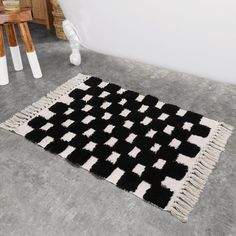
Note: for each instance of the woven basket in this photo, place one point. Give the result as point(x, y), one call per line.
point(58, 19)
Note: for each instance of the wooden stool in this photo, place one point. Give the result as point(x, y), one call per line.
point(9, 19)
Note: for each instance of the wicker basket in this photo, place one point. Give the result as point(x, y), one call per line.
point(58, 19)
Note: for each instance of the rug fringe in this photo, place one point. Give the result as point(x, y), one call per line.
point(31, 111)
point(194, 185)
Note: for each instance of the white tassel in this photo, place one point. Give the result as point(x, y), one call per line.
point(193, 186)
point(31, 111)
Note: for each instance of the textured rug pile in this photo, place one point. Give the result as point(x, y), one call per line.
point(157, 151)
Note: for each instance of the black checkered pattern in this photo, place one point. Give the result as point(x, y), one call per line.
point(131, 140)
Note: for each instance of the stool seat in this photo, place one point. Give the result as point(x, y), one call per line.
point(8, 19)
point(23, 15)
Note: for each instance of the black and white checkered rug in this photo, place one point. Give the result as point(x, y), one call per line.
point(157, 151)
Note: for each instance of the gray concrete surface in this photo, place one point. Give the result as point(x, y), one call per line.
point(42, 195)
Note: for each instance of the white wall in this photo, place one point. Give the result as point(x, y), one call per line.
point(194, 36)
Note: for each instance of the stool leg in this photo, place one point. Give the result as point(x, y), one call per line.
point(4, 79)
point(14, 47)
point(30, 51)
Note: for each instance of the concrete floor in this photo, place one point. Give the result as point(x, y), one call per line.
point(40, 194)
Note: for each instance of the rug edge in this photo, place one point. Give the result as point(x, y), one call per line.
point(190, 193)
point(31, 111)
